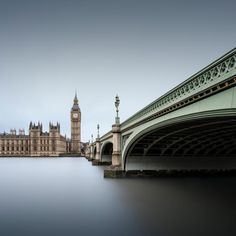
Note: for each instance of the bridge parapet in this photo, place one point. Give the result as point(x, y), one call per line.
point(106, 136)
point(217, 72)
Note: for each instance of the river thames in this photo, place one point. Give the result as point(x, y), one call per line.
point(68, 196)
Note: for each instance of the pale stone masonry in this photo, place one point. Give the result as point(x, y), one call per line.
point(75, 127)
point(37, 143)
point(40, 143)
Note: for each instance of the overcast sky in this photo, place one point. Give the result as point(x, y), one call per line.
point(138, 49)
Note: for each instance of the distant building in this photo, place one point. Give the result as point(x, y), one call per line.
point(75, 118)
point(39, 143)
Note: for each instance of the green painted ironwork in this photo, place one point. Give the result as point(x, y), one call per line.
point(216, 72)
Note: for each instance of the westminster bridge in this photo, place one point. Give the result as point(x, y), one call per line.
point(193, 126)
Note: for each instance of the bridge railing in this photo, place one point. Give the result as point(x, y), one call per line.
point(106, 136)
point(219, 70)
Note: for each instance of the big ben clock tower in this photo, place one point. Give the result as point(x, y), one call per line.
point(75, 127)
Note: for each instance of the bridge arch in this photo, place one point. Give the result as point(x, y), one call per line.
point(199, 140)
point(94, 151)
point(106, 151)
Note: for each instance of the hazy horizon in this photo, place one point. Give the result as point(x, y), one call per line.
point(137, 49)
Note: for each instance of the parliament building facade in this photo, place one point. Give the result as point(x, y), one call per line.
point(40, 143)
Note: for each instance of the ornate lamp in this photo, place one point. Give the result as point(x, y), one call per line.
point(117, 103)
point(98, 130)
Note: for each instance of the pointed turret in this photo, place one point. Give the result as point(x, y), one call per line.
point(40, 126)
point(76, 103)
point(76, 99)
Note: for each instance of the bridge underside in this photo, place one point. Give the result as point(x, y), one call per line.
point(208, 143)
point(106, 153)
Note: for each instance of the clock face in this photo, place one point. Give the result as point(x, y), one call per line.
point(75, 115)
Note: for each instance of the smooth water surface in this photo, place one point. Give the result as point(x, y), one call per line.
point(68, 196)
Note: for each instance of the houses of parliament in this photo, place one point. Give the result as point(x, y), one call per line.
point(40, 143)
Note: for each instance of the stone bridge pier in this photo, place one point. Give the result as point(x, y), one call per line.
point(116, 155)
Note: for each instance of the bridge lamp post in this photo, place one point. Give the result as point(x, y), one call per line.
point(98, 146)
point(98, 127)
point(117, 103)
point(116, 137)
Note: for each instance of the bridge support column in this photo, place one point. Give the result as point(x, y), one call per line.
point(91, 152)
point(98, 147)
point(115, 170)
point(116, 155)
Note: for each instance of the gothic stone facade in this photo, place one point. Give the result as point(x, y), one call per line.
point(75, 116)
point(39, 143)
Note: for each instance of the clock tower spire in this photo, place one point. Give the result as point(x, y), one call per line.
point(75, 127)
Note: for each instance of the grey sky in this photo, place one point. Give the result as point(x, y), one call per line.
point(138, 49)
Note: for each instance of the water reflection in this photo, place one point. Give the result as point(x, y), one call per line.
point(67, 196)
